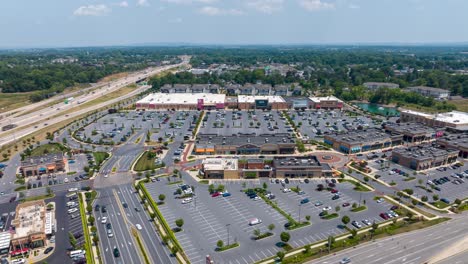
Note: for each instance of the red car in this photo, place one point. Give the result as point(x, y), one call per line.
point(345, 204)
point(334, 191)
point(216, 194)
point(384, 216)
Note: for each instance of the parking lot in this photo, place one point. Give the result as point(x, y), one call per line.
point(209, 219)
point(403, 179)
point(313, 124)
point(227, 123)
point(119, 127)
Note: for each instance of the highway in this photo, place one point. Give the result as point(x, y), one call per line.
point(45, 116)
point(122, 220)
point(410, 248)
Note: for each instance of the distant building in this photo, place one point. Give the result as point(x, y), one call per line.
point(455, 120)
point(246, 102)
point(362, 140)
point(376, 85)
point(38, 165)
point(182, 101)
point(423, 157)
point(430, 92)
point(263, 89)
point(328, 102)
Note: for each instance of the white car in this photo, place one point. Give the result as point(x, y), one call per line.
point(73, 189)
point(257, 198)
point(254, 221)
point(71, 211)
point(106, 176)
point(138, 226)
point(71, 203)
point(186, 200)
point(65, 180)
point(326, 208)
point(286, 190)
point(104, 220)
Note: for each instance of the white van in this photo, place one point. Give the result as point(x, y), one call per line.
point(255, 221)
point(77, 253)
point(18, 261)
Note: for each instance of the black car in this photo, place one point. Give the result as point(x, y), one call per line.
point(108, 226)
point(48, 250)
point(125, 205)
point(97, 207)
point(137, 209)
point(306, 180)
point(103, 209)
point(116, 252)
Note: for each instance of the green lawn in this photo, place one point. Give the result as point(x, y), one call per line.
point(330, 216)
point(358, 209)
point(440, 204)
point(48, 148)
point(100, 157)
point(145, 163)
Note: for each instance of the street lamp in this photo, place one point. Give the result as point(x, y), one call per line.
point(227, 227)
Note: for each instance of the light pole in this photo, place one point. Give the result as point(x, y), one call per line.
point(227, 227)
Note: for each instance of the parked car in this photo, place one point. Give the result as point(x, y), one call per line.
point(215, 194)
point(305, 200)
point(346, 204)
point(384, 216)
point(254, 221)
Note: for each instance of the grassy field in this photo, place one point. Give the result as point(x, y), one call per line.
point(10, 101)
point(145, 163)
point(114, 77)
point(462, 105)
point(47, 148)
point(100, 157)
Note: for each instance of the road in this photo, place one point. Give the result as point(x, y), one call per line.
point(46, 115)
point(122, 219)
point(415, 247)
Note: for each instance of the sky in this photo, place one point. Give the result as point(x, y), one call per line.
point(71, 23)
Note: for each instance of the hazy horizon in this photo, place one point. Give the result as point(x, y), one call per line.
point(96, 23)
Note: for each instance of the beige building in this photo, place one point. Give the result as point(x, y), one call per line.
point(220, 168)
point(32, 224)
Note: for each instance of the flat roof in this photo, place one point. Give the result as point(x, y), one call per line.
point(29, 219)
point(424, 152)
point(289, 162)
point(454, 117)
point(458, 140)
point(183, 98)
point(219, 164)
point(360, 136)
point(44, 159)
point(410, 128)
point(316, 99)
point(427, 88)
point(252, 98)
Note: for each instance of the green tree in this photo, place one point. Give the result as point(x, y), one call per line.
point(280, 255)
point(161, 198)
point(257, 232)
point(435, 197)
point(345, 220)
point(271, 227)
point(265, 186)
point(179, 222)
point(285, 236)
point(211, 188)
point(220, 244)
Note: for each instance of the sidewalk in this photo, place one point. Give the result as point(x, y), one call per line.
point(93, 246)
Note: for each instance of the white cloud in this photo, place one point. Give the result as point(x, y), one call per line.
point(175, 20)
point(314, 5)
point(266, 6)
point(142, 3)
point(92, 10)
point(123, 4)
point(190, 1)
point(354, 6)
point(215, 11)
